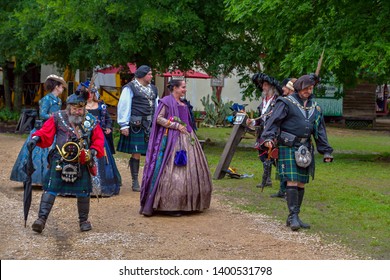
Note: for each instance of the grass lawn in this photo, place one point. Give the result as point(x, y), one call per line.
point(348, 201)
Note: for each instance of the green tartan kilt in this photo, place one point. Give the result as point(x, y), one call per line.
point(288, 169)
point(82, 185)
point(134, 143)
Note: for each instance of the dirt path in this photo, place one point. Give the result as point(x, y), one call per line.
point(120, 233)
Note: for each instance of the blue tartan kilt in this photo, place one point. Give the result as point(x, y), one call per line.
point(134, 143)
point(288, 169)
point(55, 184)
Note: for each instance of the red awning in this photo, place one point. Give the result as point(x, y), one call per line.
point(113, 70)
point(188, 74)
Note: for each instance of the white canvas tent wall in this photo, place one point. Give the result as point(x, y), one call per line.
point(197, 88)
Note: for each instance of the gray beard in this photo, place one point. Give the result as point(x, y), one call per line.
point(76, 119)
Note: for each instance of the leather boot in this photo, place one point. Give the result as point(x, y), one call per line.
point(47, 201)
point(266, 180)
point(292, 204)
point(282, 190)
point(134, 169)
point(83, 209)
point(301, 193)
point(278, 194)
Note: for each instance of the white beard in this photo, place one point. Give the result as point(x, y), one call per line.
point(76, 119)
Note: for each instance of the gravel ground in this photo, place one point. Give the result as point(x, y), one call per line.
point(120, 233)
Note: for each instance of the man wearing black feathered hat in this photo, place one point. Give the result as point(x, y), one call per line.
point(295, 120)
point(270, 91)
point(78, 139)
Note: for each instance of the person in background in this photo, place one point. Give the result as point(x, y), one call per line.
point(288, 88)
point(48, 105)
point(294, 120)
point(176, 177)
point(136, 107)
point(110, 178)
point(78, 139)
point(270, 92)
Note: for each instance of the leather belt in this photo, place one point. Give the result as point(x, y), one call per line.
point(301, 140)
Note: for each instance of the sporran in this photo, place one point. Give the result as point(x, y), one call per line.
point(303, 156)
point(70, 172)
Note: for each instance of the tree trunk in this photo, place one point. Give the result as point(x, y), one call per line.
point(18, 91)
point(7, 91)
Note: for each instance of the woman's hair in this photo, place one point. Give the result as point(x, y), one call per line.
point(51, 84)
point(174, 83)
point(94, 96)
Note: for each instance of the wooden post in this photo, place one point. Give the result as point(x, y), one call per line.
point(239, 129)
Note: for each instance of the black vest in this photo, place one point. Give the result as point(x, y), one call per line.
point(141, 105)
point(65, 131)
point(300, 120)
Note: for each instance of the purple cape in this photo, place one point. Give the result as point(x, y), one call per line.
point(154, 144)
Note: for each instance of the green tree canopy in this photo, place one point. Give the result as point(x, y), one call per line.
point(162, 33)
point(355, 35)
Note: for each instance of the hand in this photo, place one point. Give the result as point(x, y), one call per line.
point(33, 143)
point(328, 158)
point(182, 128)
point(268, 144)
point(249, 122)
point(125, 132)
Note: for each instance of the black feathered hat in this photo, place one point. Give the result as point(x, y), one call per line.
point(79, 98)
point(259, 78)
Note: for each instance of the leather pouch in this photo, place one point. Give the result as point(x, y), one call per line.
point(287, 139)
point(136, 121)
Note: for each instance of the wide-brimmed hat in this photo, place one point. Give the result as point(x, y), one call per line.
point(79, 98)
point(58, 79)
point(259, 78)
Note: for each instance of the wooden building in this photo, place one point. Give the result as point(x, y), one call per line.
point(359, 106)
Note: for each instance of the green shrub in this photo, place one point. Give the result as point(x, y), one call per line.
point(8, 115)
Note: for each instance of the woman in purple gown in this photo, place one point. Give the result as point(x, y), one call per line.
point(174, 184)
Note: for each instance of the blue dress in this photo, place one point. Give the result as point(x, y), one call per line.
point(110, 178)
point(47, 106)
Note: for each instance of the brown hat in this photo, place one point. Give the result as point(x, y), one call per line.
point(58, 79)
point(304, 82)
